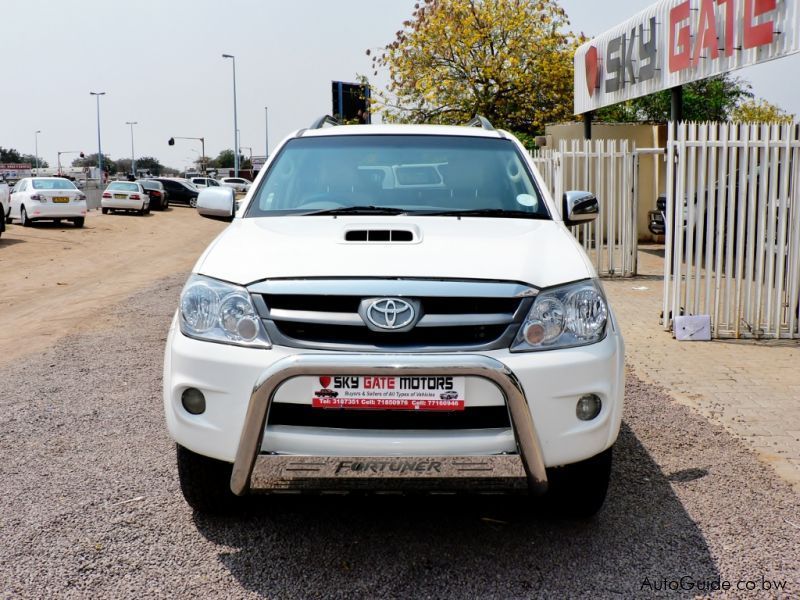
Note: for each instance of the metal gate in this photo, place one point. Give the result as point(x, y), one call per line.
point(733, 228)
point(607, 168)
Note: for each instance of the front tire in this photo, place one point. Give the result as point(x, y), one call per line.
point(206, 483)
point(193, 202)
point(579, 490)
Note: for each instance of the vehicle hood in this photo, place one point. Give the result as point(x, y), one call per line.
point(539, 253)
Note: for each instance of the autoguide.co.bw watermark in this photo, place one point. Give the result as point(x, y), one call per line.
point(688, 583)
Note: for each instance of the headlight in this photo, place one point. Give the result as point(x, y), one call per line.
point(220, 312)
point(564, 317)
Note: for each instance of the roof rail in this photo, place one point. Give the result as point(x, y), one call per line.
point(322, 120)
point(479, 121)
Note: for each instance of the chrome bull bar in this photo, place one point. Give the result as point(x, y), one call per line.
point(248, 454)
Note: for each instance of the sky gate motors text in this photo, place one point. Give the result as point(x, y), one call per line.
point(392, 383)
point(719, 28)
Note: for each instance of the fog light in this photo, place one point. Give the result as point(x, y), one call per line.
point(588, 407)
point(193, 401)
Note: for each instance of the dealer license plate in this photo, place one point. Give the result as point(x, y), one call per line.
point(60, 199)
point(121, 196)
point(365, 392)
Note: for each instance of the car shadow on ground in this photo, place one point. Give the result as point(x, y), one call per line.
point(128, 213)
point(64, 224)
point(6, 241)
point(450, 546)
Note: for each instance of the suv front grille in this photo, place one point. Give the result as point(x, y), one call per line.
point(456, 315)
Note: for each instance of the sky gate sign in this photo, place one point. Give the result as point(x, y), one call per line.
point(674, 42)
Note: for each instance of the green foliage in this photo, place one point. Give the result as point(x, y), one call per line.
point(224, 160)
point(31, 158)
point(149, 163)
point(712, 99)
point(9, 155)
point(760, 111)
point(90, 160)
point(508, 60)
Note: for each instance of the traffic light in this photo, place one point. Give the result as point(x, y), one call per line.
point(171, 141)
point(82, 156)
point(351, 102)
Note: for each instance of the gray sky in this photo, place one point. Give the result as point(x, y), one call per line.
point(160, 63)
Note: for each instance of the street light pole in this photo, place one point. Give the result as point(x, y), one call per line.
point(133, 156)
point(99, 147)
point(266, 132)
point(235, 121)
point(36, 149)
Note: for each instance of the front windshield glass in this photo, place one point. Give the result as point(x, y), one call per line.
point(52, 184)
point(422, 174)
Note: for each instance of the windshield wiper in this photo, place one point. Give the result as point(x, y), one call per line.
point(487, 212)
point(357, 210)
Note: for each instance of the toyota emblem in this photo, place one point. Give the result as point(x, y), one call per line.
point(389, 314)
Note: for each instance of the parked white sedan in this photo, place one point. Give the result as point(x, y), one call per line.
point(237, 183)
point(47, 199)
point(125, 195)
point(204, 182)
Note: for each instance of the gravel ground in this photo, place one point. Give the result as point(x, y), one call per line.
point(90, 505)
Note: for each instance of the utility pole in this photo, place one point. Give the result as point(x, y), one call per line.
point(133, 156)
point(235, 122)
point(99, 147)
point(36, 149)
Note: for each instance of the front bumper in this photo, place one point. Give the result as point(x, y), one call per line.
point(550, 382)
point(248, 457)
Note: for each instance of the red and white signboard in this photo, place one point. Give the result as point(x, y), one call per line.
point(15, 171)
point(674, 42)
point(359, 392)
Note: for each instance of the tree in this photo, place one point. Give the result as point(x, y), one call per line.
point(9, 155)
point(124, 165)
point(508, 60)
point(149, 163)
point(712, 99)
point(760, 111)
point(224, 160)
point(90, 160)
point(30, 158)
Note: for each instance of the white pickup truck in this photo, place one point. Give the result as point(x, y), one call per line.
point(395, 308)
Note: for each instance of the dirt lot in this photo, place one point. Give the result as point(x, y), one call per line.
point(90, 505)
point(59, 280)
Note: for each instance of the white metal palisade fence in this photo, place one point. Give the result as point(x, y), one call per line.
point(606, 168)
point(735, 208)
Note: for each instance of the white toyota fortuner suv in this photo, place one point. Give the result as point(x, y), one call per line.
point(395, 308)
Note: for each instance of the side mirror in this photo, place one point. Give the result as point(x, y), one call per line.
point(216, 203)
point(580, 207)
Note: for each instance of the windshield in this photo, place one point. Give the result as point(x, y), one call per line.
point(52, 184)
point(398, 174)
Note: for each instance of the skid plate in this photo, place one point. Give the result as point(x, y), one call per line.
point(424, 473)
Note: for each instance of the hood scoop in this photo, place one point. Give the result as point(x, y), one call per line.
point(382, 235)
